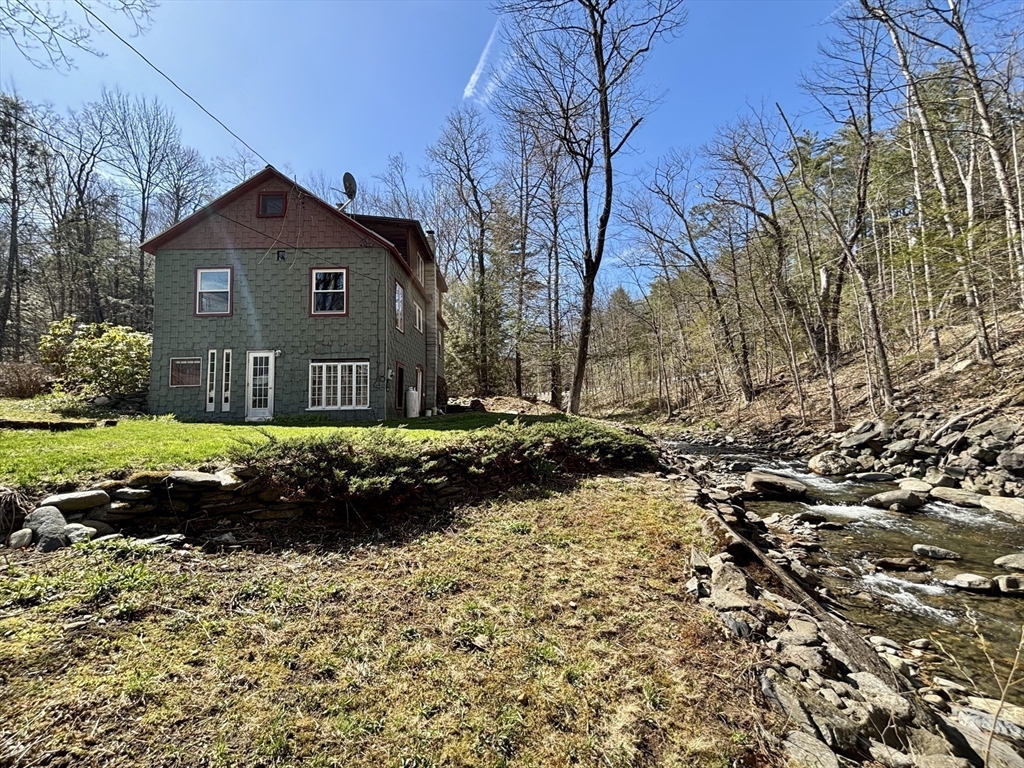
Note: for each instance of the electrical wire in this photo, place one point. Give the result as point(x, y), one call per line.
point(167, 77)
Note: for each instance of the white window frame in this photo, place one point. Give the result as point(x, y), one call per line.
point(399, 306)
point(170, 371)
point(419, 268)
point(325, 390)
point(313, 290)
point(225, 396)
point(199, 281)
point(211, 380)
point(418, 319)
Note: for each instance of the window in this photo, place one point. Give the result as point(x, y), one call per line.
point(211, 380)
point(213, 291)
point(185, 371)
point(272, 204)
point(337, 386)
point(419, 316)
point(400, 307)
point(329, 291)
point(400, 388)
point(225, 397)
point(419, 268)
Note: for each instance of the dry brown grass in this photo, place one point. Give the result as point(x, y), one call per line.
point(546, 629)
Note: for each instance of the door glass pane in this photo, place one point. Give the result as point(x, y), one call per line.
point(260, 383)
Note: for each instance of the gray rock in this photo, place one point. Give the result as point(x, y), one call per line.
point(936, 477)
point(887, 756)
point(71, 502)
point(1010, 585)
point(229, 481)
point(1009, 712)
point(774, 486)
point(936, 553)
point(871, 438)
point(1012, 461)
point(900, 500)
point(874, 477)
point(198, 479)
point(901, 447)
point(915, 486)
point(731, 589)
point(805, 751)
point(984, 722)
point(805, 658)
point(20, 539)
point(899, 564)
point(166, 539)
point(47, 524)
point(885, 642)
point(76, 532)
point(1000, 754)
point(950, 441)
point(101, 528)
point(1008, 505)
point(970, 582)
point(1014, 562)
point(115, 511)
point(881, 695)
point(956, 496)
point(831, 463)
point(921, 644)
point(132, 494)
point(941, 761)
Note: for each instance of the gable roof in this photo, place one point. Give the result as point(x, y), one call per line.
point(269, 173)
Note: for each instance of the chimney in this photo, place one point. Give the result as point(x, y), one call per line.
point(432, 242)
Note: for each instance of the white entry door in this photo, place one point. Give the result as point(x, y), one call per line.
point(259, 386)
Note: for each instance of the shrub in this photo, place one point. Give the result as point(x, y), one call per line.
point(22, 380)
point(99, 357)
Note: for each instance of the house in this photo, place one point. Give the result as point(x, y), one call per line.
point(270, 301)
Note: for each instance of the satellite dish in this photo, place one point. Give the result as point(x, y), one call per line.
point(349, 182)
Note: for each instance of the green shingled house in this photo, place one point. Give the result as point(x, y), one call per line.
point(270, 301)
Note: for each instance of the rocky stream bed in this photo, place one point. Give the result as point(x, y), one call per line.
point(883, 575)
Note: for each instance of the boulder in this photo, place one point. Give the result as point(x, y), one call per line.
point(956, 496)
point(47, 524)
point(1008, 505)
point(76, 500)
point(902, 447)
point(898, 501)
point(936, 553)
point(900, 564)
point(76, 532)
point(774, 486)
point(870, 439)
point(101, 528)
point(1014, 562)
point(731, 589)
point(1010, 585)
point(936, 477)
point(970, 582)
point(1012, 461)
point(831, 463)
point(20, 539)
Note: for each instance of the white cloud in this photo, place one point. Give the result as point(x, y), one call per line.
point(470, 89)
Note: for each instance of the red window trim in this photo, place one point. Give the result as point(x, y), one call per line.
point(312, 285)
point(231, 293)
point(259, 205)
point(399, 391)
point(400, 329)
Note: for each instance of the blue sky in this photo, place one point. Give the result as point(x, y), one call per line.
point(341, 84)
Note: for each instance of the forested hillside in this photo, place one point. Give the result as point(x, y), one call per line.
point(787, 247)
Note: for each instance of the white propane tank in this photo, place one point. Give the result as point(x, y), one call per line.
point(412, 403)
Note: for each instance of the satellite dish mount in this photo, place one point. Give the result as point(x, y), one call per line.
point(349, 182)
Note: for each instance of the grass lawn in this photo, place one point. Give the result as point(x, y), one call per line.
point(545, 629)
point(40, 459)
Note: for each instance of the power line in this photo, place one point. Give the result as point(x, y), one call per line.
point(166, 77)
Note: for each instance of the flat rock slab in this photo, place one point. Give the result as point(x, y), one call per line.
point(915, 486)
point(76, 500)
point(957, 496)
point(805, 751)
point(1008, 505)
point(936, 553)
point(1014, 562)
point(47, 525)
point(774, 486)
point(970, 582)
point(132, 494)
point(874, 477)
point(199, 479)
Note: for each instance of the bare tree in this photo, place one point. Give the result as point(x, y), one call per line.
point(187, 184)
point(47, 36)
point(236, 168)
point(576, 65)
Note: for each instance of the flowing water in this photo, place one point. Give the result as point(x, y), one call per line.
point(907, 606)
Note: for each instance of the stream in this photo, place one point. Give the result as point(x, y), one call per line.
point(906, 606)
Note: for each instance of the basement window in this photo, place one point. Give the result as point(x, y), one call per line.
point(185, 371)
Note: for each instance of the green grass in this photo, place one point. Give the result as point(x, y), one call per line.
point(40, 459)
point(540, 629)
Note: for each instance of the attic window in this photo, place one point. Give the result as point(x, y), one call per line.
point(272, 204)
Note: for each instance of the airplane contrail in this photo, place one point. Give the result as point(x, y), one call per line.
point(470, 89)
